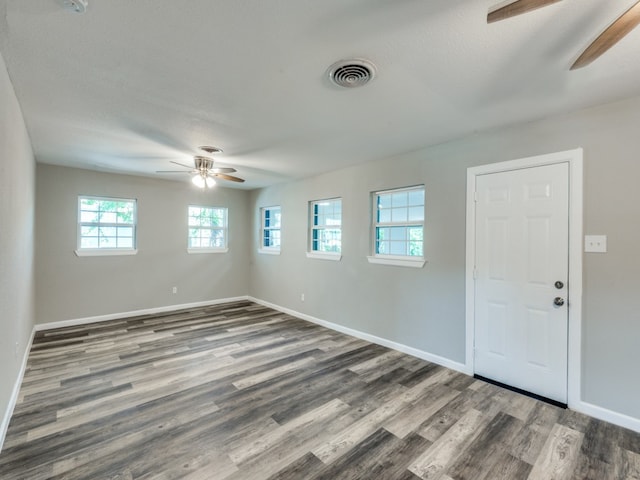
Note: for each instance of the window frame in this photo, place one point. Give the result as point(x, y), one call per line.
point(225, 230)
point(104, 251)
point(269, 250)
point(313, 227)
point(413, 261)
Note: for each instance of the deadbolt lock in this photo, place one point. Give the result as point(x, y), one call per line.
point(559, 285)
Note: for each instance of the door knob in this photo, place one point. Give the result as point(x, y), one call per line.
point(559, 285)
point(558, 301)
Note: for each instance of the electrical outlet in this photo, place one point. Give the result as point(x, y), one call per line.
point(175, 290)
point(595, 243)
point(302, 297)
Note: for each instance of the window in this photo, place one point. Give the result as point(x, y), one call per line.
point(398, 226)
point(106, 226)
point(270, 231)
point(207, 229)
point(325, 219)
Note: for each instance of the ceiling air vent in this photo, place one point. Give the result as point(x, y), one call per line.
point(352, 73)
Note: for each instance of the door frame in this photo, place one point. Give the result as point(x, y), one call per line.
point(574, 298)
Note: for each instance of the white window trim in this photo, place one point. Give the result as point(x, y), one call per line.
point(336, 257)
point(269, 250)
point(224, 249)
point(413, 262)
point(197, 250)
point(395, 260)
point(107, 252)
point(311, 253)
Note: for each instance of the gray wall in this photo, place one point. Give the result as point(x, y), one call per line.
point(17, 194)
point(424, 308)
point(70, 287)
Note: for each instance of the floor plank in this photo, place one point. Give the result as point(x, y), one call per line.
point(242, 392)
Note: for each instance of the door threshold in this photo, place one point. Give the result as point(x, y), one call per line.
point(555, 403)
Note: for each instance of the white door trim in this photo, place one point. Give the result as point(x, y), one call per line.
point(575, 160)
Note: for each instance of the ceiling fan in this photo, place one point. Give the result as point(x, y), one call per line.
point(203, 171)
point(607, 39)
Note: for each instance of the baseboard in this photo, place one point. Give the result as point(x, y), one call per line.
point(134, 313)
point(610, 416)
point(414, 352)
point(13, 400)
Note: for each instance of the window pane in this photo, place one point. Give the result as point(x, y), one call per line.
point(384, 201)
point(203, 222)
point(383, 248)
point(398, 248)
point(398, 234)
point(89, 242)
point(327, 240)
point(88, 217)
point(88, 204)
point(88, 231)
point(107, 231)
point(416, 197)
point(97, 220)
point(275, 218)
point(125, 232)
point(398, 215)
point(384, 216)
point(124, 242)
point(416, 213)
point(108, 217)
point(396, 209)
point(108, 242)
point(399, 199)
point(271, 219)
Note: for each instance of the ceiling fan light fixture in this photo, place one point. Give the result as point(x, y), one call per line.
point(210, 181)
point(198, 180)
point(77, 6)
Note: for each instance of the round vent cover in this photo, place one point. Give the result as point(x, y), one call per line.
point(352, 73)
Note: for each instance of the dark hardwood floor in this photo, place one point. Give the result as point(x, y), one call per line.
point(240, 391)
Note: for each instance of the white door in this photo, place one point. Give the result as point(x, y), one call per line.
point(522, 257)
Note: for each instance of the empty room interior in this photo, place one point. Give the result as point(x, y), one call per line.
point(319, 240)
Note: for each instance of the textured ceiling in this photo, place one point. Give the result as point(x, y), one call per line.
point(130, 85)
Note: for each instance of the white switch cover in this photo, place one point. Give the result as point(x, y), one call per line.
point(595, 243)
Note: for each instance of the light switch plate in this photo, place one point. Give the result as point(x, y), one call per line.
point(595, 243)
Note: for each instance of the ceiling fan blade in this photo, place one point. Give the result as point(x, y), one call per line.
point(182, 164)
point(516, 8)
point(223, 170)
point(612, 35)
point(226, 177)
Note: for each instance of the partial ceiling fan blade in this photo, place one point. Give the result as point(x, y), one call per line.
point(226, 177)
point(182, 164)
point(516, 8)
point(223, 170)
point(612, 35)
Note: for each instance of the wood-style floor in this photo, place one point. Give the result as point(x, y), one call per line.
point(240, 391)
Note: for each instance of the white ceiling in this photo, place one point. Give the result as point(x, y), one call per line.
point(130, 85)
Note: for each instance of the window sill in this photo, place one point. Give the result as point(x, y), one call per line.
point(207, 250)
point(336, 257)
point(416, 262)
point(269, 251)
point(103, 252)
